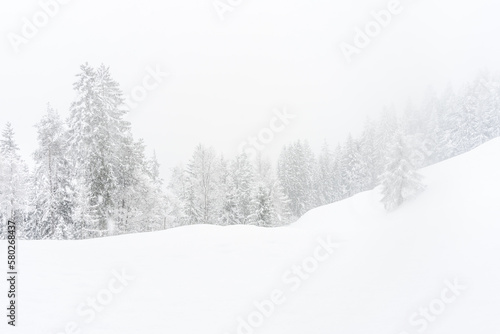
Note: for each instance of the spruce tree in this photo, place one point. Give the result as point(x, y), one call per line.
point(13, 182)
point(52, 189)
point(98, 137)
point(401, 180)
point(262, 207)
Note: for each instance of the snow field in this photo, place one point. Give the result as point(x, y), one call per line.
point(431, 266)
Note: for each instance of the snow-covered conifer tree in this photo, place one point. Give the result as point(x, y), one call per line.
point(13, 182)
point(97, 139)
point(52, 189)
point(262, 207)
point(296, 169)
point(401, 180)
point(237, 207)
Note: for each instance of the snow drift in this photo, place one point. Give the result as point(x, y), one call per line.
point(432, 266)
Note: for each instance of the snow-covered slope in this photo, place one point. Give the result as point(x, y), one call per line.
point(431, 266)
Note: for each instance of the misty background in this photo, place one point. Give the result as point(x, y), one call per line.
point(226, 76)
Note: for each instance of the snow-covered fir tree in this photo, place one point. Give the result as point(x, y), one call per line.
point(154, 196)
point(241, 188)
point(296, 173)
point(401, 180)
point(262, 207)
point(110, 173)
point(175, 198)
point(355, 174)
point(52, 193)
point(13, 182)
point(324, 183)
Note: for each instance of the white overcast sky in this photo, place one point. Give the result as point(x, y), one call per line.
point(227, 76)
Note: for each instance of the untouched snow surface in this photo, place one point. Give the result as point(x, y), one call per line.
point(391, 272)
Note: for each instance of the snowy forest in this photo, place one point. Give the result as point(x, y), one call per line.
point(91, 178)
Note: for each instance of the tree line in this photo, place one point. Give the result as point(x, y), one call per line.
point(388, 152)
point(91, 178)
